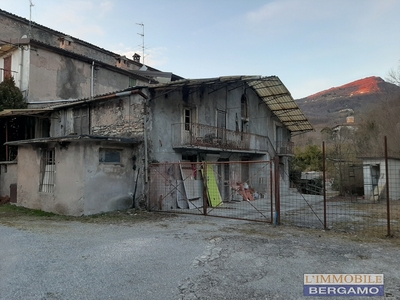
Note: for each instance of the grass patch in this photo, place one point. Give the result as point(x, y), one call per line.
point(8, 210)
point(11, 213)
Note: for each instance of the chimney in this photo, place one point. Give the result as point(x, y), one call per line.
point(65, 42)
point(136, 57)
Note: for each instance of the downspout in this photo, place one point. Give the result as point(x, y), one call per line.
point(146, 164)
point(20, 67)
point(146, 168)
point(28, 66)
point(92, 81)
point(91, 95)
point(6, 139)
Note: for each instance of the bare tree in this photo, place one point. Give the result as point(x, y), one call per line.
point(393, 75)
point(382, 120)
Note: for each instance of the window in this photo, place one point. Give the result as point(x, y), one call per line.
point(81, 120)
point(7, 67)
point(132, 82)
point(47, 171)
point(244, 110)
point(110, 155)
point(221, 123)
point(188, 118)
point(244, 107)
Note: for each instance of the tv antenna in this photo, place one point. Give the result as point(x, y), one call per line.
point(142, 35)
point(30, 18)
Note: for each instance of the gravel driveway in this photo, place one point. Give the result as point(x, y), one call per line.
point(186, 257)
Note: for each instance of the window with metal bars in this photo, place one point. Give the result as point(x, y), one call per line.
point(47, 170)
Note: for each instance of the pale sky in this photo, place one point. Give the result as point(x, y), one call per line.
point(311, 45)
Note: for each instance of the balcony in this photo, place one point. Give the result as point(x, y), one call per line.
point(199, 136)
point(284, 148)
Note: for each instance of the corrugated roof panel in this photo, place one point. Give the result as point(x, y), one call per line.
point(278, 99)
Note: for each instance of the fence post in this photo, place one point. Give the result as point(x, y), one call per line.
point(324, 180)
point(271, 179)
point(387, 189)
point(277, 192)
point(205, 197)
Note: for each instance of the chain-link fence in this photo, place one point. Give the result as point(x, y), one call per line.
point(354, 193)
point(240, 190)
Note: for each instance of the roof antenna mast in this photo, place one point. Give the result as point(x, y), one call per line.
point(30, 17)
point(142, 35)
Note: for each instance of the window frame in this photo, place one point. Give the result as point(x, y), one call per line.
point(47, 170)
point(103, 159)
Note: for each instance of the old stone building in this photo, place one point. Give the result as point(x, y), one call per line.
point(100, 150)
point(53, 68)
point(96, 122)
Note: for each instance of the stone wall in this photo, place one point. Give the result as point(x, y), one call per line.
point(122, 117)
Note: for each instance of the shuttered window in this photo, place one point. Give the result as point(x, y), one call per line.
point(7, 67)
point(81, 120)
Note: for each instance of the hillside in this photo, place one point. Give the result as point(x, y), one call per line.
point(332, 106)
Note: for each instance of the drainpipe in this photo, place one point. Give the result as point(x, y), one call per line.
point(145, 149)
point(6, 139)
point(92, 81)
point(20, 67)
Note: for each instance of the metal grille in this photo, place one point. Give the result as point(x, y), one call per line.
point(239, 190)
point(47, 171)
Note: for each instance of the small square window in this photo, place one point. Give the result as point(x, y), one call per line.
point(110, 155)
point(132, 82)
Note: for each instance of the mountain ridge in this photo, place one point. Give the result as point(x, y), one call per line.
point(330, 107)
point(363, 86)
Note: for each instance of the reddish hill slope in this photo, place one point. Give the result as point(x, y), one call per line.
point(330, 107)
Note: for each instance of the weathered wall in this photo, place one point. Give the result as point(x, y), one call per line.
point(53, 77)
point(8, 175)
point(14, 27)
point(83, 184)
point(169, 110)
point(64, 200)
point(109, 187)
point(118, 117)
point(122, 117)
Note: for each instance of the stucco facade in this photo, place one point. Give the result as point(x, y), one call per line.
point(82, 183)
point(49, 66)
point(8, 176)
point(47, 74)
point(13, 27)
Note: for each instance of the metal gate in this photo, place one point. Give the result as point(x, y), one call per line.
point(238, 190)
point(303, 204)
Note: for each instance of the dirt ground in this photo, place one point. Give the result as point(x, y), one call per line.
point(141, 255)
